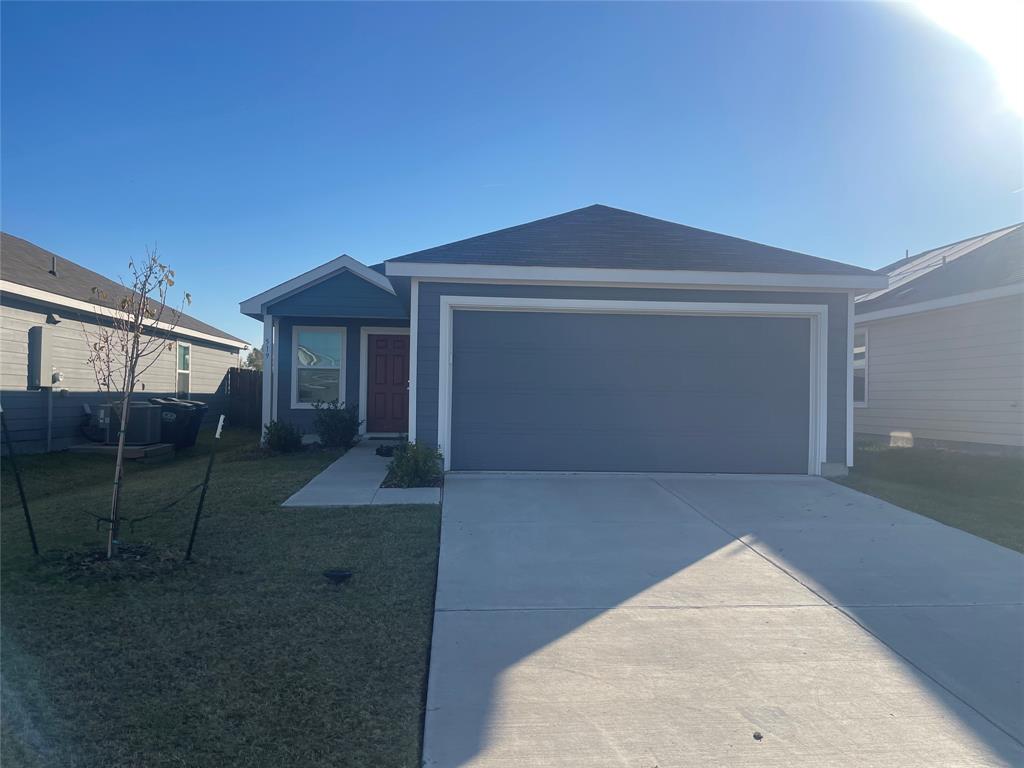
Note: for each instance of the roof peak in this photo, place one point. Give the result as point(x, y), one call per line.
point(602, 236)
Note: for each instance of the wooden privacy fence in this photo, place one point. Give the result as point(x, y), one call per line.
point(245, 397)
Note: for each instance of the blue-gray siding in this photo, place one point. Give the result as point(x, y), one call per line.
point(303, 417)
point(344, 295)
point(429, 329)
point(632, 393)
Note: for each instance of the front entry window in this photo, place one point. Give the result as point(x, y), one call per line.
point(318, 365)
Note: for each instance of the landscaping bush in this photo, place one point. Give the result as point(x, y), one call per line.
point(415, 465)
point(282, 437)
point(336, 424)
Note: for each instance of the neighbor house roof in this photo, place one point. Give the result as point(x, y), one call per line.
point(27, 270)
point(600, 237)
point(986, 265)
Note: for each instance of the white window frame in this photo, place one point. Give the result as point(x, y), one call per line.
point(178, 370)
point(817, 314)
point(853, 363)
point(342, 368)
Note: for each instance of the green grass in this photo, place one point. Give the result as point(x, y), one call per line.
point(247, 657)
point(983, 495)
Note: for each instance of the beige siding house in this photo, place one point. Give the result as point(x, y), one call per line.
point(939, 355)
point(41, 290)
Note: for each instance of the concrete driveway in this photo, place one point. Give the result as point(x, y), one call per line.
point(662, 621)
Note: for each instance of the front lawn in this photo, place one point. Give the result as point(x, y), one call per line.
point(983, 495)
point(246, 657)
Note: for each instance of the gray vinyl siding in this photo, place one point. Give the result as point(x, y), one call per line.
point(951, 375)
point(428, 338)
point(302, 418)
point(210, 370)
point(26, 409)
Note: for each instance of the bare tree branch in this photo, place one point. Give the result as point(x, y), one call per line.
point(126, 343)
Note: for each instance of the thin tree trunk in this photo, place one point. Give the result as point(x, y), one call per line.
point(115, 500)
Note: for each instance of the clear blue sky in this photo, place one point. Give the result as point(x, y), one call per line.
point(254, 141)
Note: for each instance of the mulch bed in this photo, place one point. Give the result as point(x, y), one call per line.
point(133, 561)
point(390, 483)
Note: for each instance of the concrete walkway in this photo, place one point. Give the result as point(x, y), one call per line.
point(354, 480)
point(692, 621)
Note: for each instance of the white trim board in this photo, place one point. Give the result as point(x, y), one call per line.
point(944, 303)
point(654, 286)
point(364, 371)
point(652, 277)
point(254, 305)
point(269, 373)
point(414, 324)
point(16, 289)
point(274, 385)
point(849, 380)
point(818, 368)
point(293, 403)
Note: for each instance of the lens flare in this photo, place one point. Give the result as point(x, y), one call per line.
point(993, 28)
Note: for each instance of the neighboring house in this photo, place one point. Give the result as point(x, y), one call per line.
point(940, 352)
point(595, 340)
point(39, 289)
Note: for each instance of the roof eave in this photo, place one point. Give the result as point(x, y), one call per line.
point(930, 305)
point(655, 277)
point(56, 299)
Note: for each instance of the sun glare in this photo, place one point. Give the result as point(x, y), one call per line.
point(993, 28)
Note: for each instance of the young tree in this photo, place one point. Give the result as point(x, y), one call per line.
point(131, 332)
point(254, 360)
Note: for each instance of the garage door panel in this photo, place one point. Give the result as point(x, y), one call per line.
point(743, 374)
point(587, 392)
point(656, 453)
point(558, 409)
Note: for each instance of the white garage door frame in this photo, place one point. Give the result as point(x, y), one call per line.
point(817, 314)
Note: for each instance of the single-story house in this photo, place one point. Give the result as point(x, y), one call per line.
point(47, 300)
point(594, 340)
point(939, 353)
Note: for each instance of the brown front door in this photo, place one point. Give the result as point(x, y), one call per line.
point(387, 383)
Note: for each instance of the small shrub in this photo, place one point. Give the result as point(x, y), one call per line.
point(282, 437)
point(415, 465)
point(336, 424)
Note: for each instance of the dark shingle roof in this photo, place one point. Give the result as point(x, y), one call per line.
point(992, 260)
point(27, 264)
point(610, 238)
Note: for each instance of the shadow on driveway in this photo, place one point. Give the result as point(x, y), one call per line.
point(663, 620)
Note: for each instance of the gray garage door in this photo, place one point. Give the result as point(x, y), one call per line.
point(629, 393)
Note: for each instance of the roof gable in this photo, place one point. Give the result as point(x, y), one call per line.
point(256, 305)
point(610, 238)
point(341, 295)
